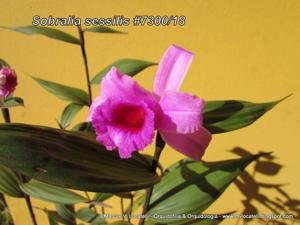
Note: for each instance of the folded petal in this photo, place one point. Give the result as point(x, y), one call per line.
point(192, 145)
point(117, 84)
point(180, 112)
point(172, 69)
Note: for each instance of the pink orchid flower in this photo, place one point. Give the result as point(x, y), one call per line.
point(8, 81)
point(125, 115)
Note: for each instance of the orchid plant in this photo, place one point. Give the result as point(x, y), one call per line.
point(104, 154)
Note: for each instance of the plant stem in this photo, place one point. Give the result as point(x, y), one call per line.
point(72, 210)
point(3, 199)
point(84, 56)
point(6, 116)
point(160, 144)
point(130, 209)
point(122, 208)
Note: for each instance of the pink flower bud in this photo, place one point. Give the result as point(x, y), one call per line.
point(8, 81)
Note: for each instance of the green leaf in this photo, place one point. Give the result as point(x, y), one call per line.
point(89, 216)
point(86, 215)
point(3, 63)
point(46, 31)
point(83, 127)
point(191, 187)
point(52, 218)
point(55, 217)
point(63, 92)
point(69, 113)
point(100, 197)
point(127, 66)
point(66, 212)
point(51, 193)
point(229, 115)
point(71, 160)
point(103, 29)
point(12, 102)
point(9, 183)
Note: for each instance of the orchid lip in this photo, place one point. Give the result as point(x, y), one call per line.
point(130, 117)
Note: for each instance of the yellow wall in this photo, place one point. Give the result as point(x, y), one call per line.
point(246, 50)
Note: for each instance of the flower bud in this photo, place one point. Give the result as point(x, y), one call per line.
point(8, 81)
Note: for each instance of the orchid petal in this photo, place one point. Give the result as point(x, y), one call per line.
point(117, 84)
point(181, 112)
point(192, 145)
point(172, 70)
point(97, 101)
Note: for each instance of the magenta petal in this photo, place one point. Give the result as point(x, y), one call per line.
point(122, 124)
point(192, 145)
point(172, 70)
point(8, 81)
point(117, 84)
point(181, 112)
point(93, 106)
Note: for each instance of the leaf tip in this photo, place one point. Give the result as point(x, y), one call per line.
point(284, 98)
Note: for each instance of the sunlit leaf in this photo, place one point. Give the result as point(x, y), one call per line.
point(54, 217)
point(64, 92)
point(102, 196)
point(103, 29)
point(51, 218)
point(89, 216)
point(229, 115)
point(127, 66)
point(69, 113)
point(51, 193)
point(12, 102)
point(66, 212)
point(190, 187)
point(46, 31)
